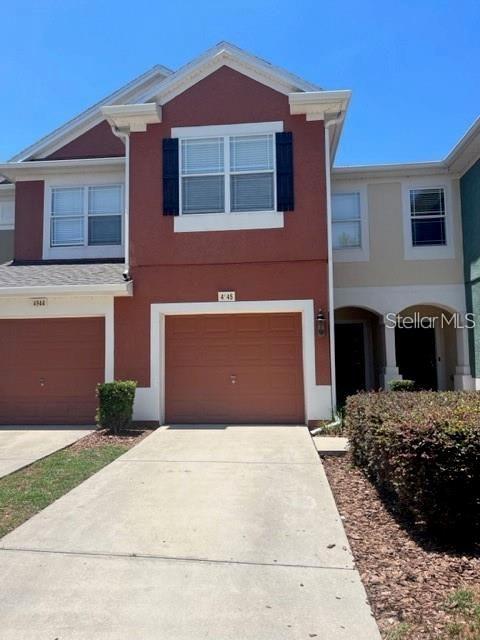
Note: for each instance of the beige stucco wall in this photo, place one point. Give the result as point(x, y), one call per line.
point(387, 265)
point(6, 245)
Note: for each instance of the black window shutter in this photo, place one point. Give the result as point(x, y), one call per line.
point(284, 151)
point(170, 177)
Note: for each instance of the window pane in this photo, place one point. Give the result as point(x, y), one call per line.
point(104, 230)
point(251, 153)
point(252, 192)
point(202, 155)
point(427, 231)
point(346, 234)
point(203, 194)
point(427, 202)
point(67, 201)
point(346, 206)
point(105, 199)
point(66, 231)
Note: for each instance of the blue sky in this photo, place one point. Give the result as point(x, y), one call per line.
point(413, 66)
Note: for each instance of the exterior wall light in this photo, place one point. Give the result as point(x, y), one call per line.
point(321, 324)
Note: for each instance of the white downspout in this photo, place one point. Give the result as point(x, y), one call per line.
point(331, 314)
point(126, 225)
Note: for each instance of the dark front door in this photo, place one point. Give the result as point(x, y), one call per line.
point(349, 359)
point(416, 356)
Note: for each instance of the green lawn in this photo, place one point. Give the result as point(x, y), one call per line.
point(29, 490)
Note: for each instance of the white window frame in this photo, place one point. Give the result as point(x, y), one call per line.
point(227, 220)
point(428, 252)
point(7, 215)
point(79, 252)
point(361, 253)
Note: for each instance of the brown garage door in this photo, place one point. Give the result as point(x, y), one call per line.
point(49, 370)
point(234, 368)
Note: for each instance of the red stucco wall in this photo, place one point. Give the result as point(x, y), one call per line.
point(29, 220)
point(97, 142)
point(273, 264)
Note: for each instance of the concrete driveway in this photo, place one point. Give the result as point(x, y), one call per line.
point(220, 533)
point(20, 446)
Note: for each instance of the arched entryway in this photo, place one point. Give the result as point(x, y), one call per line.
point(359, 351)
point(428, 346)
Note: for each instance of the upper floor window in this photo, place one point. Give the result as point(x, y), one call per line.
point(427, 212)
point(83, 217)
point(346, 220)
point(430, 208)
point(227, 174)
point(86, 216)
point(228, 177)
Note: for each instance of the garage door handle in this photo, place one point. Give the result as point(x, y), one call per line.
point(42, 382)
point(233, 378)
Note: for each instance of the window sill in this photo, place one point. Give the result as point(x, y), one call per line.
point(198, 222)
point(353, 254)
point(74, 253)
point(439, 252)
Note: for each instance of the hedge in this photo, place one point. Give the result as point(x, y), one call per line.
point(423, 448)
point(115, 404)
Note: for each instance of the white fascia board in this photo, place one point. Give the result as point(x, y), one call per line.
point(132, 117)
point(316, 105)
point(226, 54)
point(116, 290)
point(91, 116)
point(406, 170)
point(466, 152)
point(35, 169)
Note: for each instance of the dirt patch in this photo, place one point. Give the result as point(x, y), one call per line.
point(407, 578)
point(129, 437)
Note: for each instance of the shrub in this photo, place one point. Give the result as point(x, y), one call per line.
point(115, 404)
point(423, 448)
point(401, 385)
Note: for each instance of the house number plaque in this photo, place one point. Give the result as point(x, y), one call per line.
point(226, 296)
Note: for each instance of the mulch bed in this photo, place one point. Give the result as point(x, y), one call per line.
point(407, 578)
point(128, 437)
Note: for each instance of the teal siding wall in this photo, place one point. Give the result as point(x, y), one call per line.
point(470, 195)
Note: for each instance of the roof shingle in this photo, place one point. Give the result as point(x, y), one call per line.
point(48, 275)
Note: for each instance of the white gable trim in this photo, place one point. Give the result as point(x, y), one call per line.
point(79, 125)
point(226, 54)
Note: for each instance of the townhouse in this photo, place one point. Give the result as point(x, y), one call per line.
point(189, 232)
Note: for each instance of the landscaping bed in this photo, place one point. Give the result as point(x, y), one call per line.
point(417, 590)
point(29, 490)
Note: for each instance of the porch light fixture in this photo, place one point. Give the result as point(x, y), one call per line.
point(321, 324)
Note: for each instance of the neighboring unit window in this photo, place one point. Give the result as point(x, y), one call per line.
point(427, 212)
point(227, 174)
point(67, 217)
point(346, 220)
point(86, 216)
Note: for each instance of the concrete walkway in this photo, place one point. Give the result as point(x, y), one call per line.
point(219, 533)
point(20, 446)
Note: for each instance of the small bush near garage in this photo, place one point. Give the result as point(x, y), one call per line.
point(423, 448)
point(402, 385)
point(115, 404)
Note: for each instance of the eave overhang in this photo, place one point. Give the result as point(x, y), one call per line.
point(129, 118)
point(36, 169)
point(118, 290)
point(329, 106)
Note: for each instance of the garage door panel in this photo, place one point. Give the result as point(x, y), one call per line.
point(53, 368)
point(234, 368)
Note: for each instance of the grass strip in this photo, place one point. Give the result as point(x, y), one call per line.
point(27, 491)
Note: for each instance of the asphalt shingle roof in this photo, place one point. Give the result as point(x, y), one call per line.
point(48, 275)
